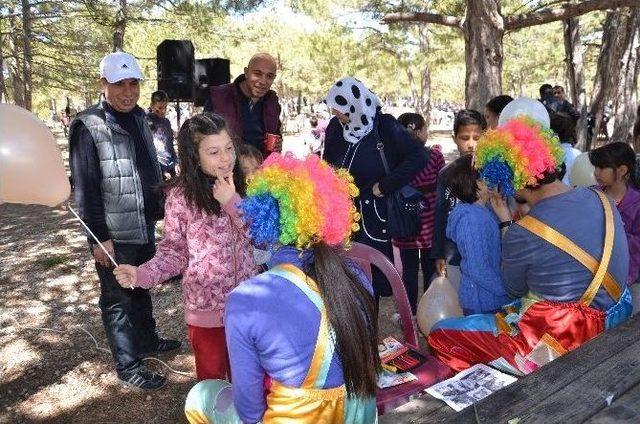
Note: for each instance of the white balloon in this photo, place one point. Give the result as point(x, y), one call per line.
point(525, 106)
point(581, 173)
point(440, 301)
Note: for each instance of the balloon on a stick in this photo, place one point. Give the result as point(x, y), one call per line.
point(31, 167)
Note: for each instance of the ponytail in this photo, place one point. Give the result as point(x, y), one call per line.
point(352, 314)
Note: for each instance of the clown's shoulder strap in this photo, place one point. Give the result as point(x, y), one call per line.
point(599, 269)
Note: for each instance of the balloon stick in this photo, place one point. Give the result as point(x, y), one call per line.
point(93, 235)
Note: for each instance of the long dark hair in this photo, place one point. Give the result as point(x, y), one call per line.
point(462, 179)
point(195, 183)
point(352, 313)
point(613, 155)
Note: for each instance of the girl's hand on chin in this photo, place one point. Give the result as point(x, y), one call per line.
point(224, 189)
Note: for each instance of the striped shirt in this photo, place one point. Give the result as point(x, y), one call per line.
point(425, 181)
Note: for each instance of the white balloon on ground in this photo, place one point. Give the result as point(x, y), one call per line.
point(440, 301)
point(581, 173)
point(31, 167)
point(525, 106)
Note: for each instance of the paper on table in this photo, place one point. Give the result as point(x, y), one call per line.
point(469, 386)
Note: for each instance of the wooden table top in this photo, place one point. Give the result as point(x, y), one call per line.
point(596, 383)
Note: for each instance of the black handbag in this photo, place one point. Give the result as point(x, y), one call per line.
point(404, 205)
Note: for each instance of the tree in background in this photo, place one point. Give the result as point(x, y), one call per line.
point(483, 27)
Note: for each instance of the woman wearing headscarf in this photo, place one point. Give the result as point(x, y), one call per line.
point(352, 141)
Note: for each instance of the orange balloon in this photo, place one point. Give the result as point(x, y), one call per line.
point(440, 301)
point(31, 167)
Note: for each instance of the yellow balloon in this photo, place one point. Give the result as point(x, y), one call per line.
point(31, 167)
point(440, 301)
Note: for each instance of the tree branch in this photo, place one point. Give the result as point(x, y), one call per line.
point(432, 18)
point(513, 22)
point(567, 11)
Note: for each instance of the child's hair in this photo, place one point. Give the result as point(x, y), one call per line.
point(412, 121)
point(468, 117)
point(462, 179)
point(159, 96)
point(498, 103)
point(195, 183)
point(564, 126)
point(313, 121)
point(613, 155)
point(249, 151)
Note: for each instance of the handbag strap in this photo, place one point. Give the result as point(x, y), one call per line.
point(380, 147)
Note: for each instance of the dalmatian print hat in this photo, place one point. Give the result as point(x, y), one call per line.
point(351, 97)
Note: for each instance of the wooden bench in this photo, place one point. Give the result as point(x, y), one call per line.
point(596, 383)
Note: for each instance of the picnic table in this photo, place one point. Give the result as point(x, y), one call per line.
point(596, 383)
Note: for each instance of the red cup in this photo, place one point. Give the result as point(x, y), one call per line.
point(270, 141)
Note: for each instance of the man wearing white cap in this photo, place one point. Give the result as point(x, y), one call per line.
point(116, 174)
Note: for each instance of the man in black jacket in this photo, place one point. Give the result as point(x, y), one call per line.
point(116, 174)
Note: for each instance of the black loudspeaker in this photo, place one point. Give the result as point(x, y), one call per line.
point(176, 64)
point(209, 73)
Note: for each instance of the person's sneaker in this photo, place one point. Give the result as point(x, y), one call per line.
point(164, 345)
point(143, 379)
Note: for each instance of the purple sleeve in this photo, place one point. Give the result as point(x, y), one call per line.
point(633, 239)
point(248, 374)
point(172, 256)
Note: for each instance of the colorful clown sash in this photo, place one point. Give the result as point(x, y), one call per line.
point(310, 403)
point(599, 270)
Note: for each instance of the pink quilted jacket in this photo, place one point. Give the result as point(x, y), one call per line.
point(212, 252)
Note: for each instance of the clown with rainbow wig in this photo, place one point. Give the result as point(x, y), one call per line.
point(302, 336)
point(564, 264)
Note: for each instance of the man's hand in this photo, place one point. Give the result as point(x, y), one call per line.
point(101, 257)
point(441, 267)
point(126, 275)
point(224, 189)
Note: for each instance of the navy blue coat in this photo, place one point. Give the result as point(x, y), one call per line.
point(406, 159)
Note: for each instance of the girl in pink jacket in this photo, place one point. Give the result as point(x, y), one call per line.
point(204, 239)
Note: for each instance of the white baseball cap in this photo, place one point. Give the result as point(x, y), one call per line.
point(117, 66)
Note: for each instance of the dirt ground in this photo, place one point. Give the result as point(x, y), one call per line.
point(47, 280)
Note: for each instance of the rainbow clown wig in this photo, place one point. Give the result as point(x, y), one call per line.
point(300, 203)
point(517, 154)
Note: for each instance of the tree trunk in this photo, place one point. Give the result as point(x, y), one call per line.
point(575, 76)
point(119, 27)
point(483, 30)
point(626, 100)
point(424, 105)
point(3, 86)
point(15, 68)
point(27, 57)
point(606, 81)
